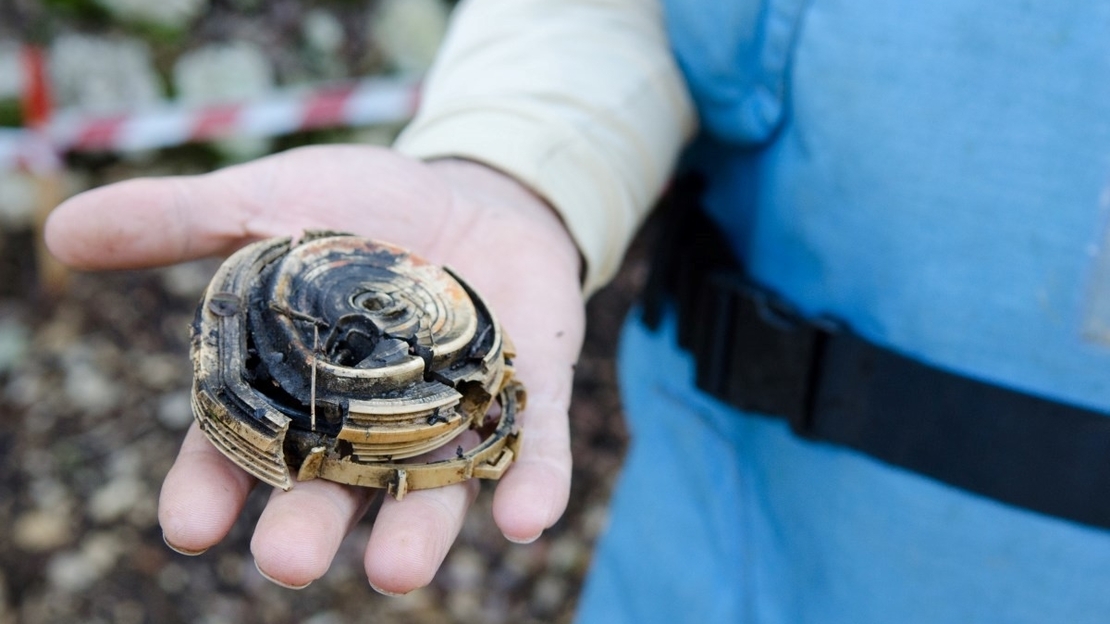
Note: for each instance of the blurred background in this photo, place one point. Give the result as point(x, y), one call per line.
point(94, 370)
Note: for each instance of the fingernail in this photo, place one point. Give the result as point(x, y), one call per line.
point(277, 582)
point(181, 551)
point(524, 540)
point(387, 593)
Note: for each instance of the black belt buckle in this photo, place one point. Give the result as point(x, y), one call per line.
point(756, 352)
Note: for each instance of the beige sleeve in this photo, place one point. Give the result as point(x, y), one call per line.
point(578, 99)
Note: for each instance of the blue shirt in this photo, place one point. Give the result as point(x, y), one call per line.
point(935, 174)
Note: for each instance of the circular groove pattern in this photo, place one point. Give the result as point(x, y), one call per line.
point(343, 358)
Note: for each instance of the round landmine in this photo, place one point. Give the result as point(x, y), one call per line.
point(347, 359)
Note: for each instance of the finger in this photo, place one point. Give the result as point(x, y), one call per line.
point(300, 530)
point(147, 222)
point(533, 494)
point(411, 537)
point(201, 496)
point(157, 221)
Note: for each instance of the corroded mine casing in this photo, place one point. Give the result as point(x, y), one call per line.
point(346, 359)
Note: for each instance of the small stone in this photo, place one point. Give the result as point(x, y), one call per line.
point(188, 279)
point(566, 554)
point(549, 594)
point(322, 31)
point(115, 499)
point(61, 331)
point(175, 410)
point(18, 199)
point(225, 609)
point(595, 521)
point(144, 513)
point(517, 565)
point(47, 492)
point(277, 605)
point(173, 578)
point(14, 340)
point(162, 372)
point(323, 37)
point(41, 530)
point(230, 569)
point(90, 389)
point(464, 606)
point(77, 571)
point(102, 549)
point(126, 461)
point(25, 388)
point(523, 559)
point(408, 32)
point(497, 609)
point(465, 569)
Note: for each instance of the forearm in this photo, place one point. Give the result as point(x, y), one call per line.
point(579, 100)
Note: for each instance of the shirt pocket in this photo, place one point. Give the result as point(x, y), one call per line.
point(735, 57)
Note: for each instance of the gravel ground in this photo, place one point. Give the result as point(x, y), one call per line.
point(94, 382)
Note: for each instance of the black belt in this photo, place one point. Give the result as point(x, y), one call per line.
point(754, 353)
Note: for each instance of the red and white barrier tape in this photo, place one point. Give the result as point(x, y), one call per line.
point(359, 103)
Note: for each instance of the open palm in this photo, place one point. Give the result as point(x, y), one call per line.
point(502, 239)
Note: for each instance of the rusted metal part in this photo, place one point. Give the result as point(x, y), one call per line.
point(343, 358)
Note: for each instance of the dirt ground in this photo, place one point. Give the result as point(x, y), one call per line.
point(94, 402)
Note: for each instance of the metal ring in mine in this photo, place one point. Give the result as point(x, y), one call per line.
point(343, 358)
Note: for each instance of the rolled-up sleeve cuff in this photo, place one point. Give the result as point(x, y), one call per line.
point(580, 101)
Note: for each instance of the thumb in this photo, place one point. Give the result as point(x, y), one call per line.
point(148, 222)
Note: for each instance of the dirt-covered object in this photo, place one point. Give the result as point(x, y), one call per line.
point(346, 359)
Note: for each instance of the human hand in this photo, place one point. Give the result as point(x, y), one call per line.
point(502, 239)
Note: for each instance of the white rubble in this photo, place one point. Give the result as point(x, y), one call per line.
point(77, 570)
point(322, 31)
point(226, 72)
point(18, 198)
point(175, 14)
point(103, 74)
point(408, 32)
point(223, 72)
point(323, 37)
point(11, 71)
